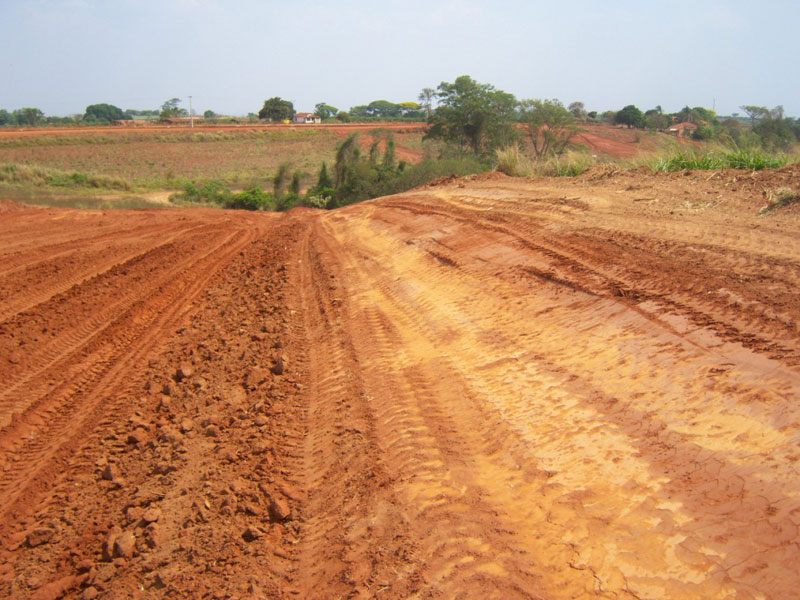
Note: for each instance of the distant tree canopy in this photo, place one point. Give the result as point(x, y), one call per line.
point(325, 111)
point(5, 117)
point(630, 116)
point(775, 131)
point(383, 109)
point(425, 98)
point(656, 119)
point(473, 115)
point(28, 116)
point(170, 109)
point(104, 113)
point(550, 125)
point(210, 114)
point(755, 112)
point(276, 109)
point(141, 113)
point(578, 110)
point(696, 115)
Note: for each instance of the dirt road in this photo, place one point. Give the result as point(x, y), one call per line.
point(486, 388)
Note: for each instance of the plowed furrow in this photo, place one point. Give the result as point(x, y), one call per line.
point(45, 249)
point(146, 272)
point(36, 283)
point(61, 425)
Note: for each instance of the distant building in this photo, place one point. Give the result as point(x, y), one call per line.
point(306, 118)
point(684, 129)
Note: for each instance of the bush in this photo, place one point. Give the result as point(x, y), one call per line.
point(213, 192)
point(252, 199)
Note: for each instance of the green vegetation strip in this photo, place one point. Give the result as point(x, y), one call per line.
point(44, 177)
point(753, 160)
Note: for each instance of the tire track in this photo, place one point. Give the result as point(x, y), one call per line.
point(135, 278)
point(613, 418)
point(75, 407)
point(44, 278)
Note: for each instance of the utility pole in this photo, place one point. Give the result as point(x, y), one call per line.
point(191, 113)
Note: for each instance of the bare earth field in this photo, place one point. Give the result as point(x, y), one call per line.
point(484, 388)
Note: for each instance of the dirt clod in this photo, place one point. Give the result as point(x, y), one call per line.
point(39, 536)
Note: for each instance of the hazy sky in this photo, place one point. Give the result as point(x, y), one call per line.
point(230, 55)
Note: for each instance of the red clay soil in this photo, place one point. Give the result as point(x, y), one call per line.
point(485, 388)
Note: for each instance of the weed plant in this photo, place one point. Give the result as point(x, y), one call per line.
point(753, 160)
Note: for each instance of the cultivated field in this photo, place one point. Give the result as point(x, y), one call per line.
point(158, 157)
point(484, 388)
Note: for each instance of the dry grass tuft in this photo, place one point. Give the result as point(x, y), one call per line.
point(778, 198)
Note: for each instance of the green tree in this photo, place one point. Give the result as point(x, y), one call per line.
point(578, 110)
point(28, 116)
point(776, 132)
point(697, 115)
point(323, 179)
point(104, 113)
point(389, 155)
point(411, 110)
point(276, 109)
point(279, 181)
point(755, 112)
point(550, 126)
point(383, 109)
point(630, 116)
point(210, 114)
point(170, 109)
point(425, 98)
point(473, 115)
point(325, 111)
point(5, 117)
point(656, 119)
point(131, 112)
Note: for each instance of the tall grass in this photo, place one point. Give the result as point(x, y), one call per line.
point(753, 160)
point(48, 177)
point(513, 162)
point(569, 164)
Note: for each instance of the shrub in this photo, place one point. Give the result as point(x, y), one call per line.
point(252, 199)
point(214, 192)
